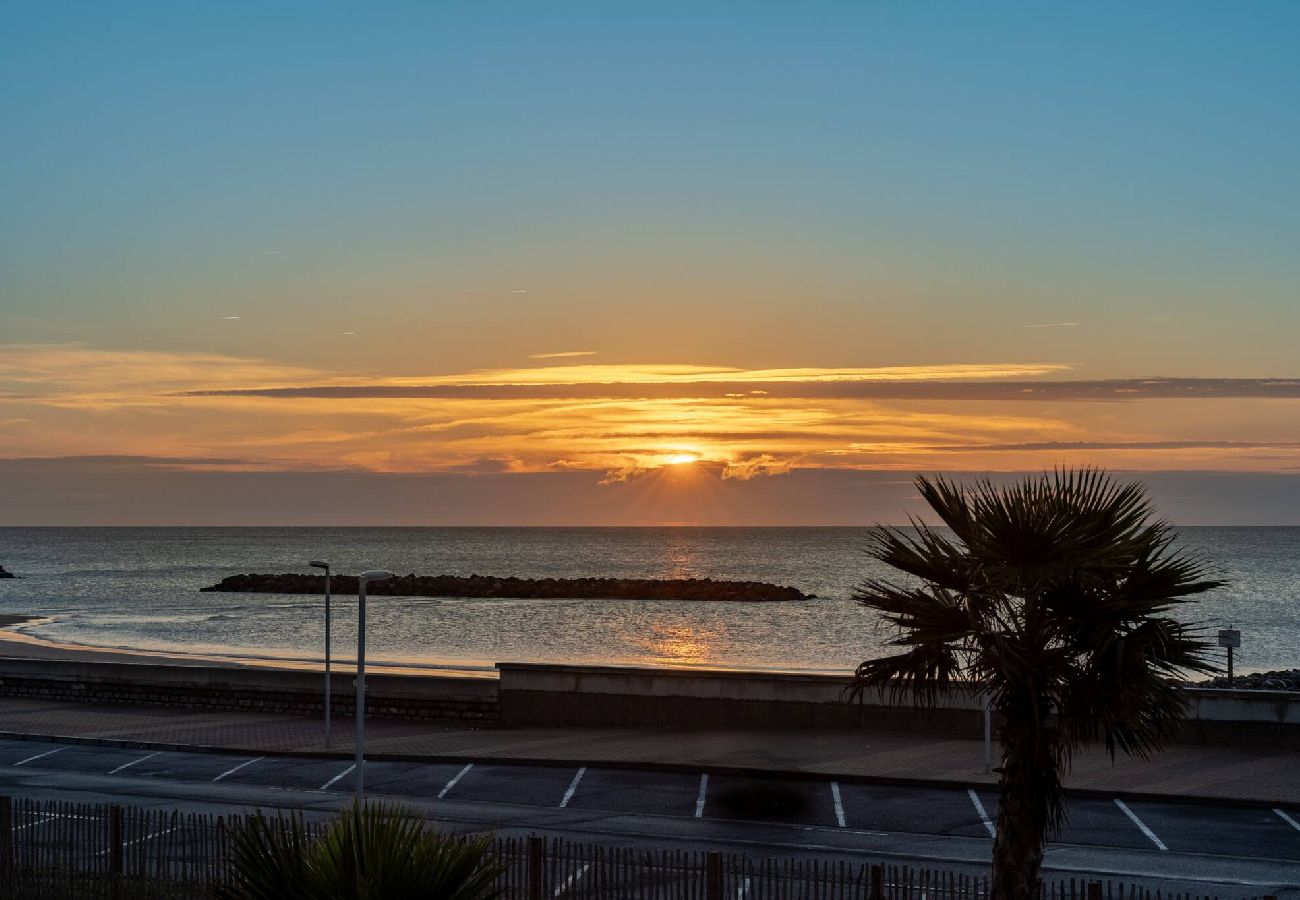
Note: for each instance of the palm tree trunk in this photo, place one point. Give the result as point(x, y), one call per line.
point(1026, 787)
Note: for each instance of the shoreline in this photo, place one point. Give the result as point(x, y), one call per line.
point(17, 644)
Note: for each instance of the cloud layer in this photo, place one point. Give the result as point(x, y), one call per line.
point(620, 421)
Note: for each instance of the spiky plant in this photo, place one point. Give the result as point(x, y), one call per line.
point(1052, 595)
point(373, 852)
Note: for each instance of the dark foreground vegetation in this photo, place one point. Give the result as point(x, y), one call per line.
point(703, 589)
point(79, 852)
point(1058, 594)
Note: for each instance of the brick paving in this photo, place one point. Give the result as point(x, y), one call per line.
point(1220, 773)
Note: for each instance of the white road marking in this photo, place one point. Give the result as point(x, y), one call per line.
point(451, 784)
point(344, 774)
point(150, 837)
point(23, 762)
point(133, 762)
point(984, 816)
point(573, 786)
point(839, 805)
point(704, 792)
point(1140, 824)
point(238, 767)
point(572, 879)
point(1287, 819)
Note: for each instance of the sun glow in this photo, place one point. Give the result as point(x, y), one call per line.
point(680, 459)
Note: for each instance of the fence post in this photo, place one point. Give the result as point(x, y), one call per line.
point(877, 882)
point(713, 876)
point(6, 833)
point(1094, 890)
point(536, 870)
point(115, 848)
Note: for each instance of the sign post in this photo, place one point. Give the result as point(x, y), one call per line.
point(1231, 639)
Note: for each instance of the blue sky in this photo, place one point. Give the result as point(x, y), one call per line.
point(387, 191)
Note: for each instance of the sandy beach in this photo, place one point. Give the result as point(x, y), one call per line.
point(16, 644)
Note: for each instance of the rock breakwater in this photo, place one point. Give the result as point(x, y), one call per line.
point(485, 586)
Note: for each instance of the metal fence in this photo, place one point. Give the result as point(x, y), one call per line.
point(95, 851)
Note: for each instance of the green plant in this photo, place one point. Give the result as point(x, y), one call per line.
point(373, 852)
point(1049, 595)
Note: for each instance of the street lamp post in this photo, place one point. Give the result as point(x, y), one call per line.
point(323, 564)
point(363, 580)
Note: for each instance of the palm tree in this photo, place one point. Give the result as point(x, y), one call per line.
point(1052, 595)
point(373, 851)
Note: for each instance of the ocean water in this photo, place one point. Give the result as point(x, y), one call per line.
point(138, 588)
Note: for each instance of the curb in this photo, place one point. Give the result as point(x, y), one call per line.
point(645, 766)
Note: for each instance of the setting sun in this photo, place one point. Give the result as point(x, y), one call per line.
point(680, 459)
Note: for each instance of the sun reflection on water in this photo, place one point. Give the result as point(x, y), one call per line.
point(675, 645)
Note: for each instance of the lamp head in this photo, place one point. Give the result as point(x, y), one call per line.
point(319, 564)
point(375, 575)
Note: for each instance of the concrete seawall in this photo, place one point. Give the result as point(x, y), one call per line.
point(539, 695)
point(469, 701)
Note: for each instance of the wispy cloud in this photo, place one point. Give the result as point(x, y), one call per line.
point(231, 318)
point(563, 353)
point(205, 410)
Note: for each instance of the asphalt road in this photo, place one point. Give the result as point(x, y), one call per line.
point(1226, 850)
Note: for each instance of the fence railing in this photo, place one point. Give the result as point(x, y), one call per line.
point(51, 849)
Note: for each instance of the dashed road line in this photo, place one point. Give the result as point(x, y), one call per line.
point(1140, 824)
point(133, 762)
point(979, 808)
point(703, 795)
point(457, 777)
point(839, 804)
point(1288, 819)
point(572, 880)
point(23, 762)
point(242, 765)
point(573, 786)
point(337, 778)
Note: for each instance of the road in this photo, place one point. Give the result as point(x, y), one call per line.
point(1231, 851)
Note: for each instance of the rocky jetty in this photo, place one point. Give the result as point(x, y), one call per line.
point(5, 573)
point(1282, 680)
point(702, 589)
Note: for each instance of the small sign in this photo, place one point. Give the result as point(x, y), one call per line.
point(1229, 637)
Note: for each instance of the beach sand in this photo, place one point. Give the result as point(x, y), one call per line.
point(16, 644)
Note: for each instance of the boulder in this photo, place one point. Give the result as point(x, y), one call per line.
point(476, 586)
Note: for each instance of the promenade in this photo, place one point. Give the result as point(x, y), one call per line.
point(1182, 771)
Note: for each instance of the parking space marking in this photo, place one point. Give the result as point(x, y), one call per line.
point(1140, 824)
point(572, 879)
point(128, 765)
point(23, 762)
point(344, 774)
point(455, 778)
point(979, 808)
point(839, 804)
point(573, 786)
point(1287, 819)
point(238, 767)
point(704, 792)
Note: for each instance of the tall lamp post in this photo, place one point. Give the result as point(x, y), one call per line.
point(363, 580)
point(323, 564)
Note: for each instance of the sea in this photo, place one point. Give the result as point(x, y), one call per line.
point(138, 589)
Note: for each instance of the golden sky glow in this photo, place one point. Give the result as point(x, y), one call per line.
point(207, 411)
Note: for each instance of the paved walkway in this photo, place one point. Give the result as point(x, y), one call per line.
point(1182, 771)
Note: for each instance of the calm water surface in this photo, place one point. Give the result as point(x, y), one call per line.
point(138, 588)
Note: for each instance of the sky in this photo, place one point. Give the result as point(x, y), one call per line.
point(571, 263)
